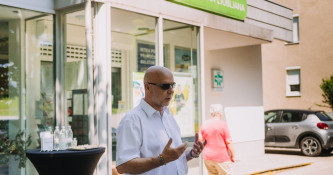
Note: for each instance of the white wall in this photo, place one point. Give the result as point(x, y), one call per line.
point(242, 76)
point(246, 125)
point(241, 96)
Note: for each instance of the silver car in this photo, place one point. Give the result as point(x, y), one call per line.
point(311, 131)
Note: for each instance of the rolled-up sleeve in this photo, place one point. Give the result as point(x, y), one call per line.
point(129, 139)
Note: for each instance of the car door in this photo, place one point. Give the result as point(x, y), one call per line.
point(271, 118)
point(288, 129)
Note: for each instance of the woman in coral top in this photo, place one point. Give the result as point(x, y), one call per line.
point(218, 154)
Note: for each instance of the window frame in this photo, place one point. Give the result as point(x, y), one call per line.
point(295, 31)
point(289, 92)
point(296, 28)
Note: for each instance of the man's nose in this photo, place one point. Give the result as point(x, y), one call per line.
point(170, 90)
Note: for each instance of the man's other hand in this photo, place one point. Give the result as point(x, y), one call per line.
point(198, 146)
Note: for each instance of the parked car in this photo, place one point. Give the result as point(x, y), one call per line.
point(311, 131)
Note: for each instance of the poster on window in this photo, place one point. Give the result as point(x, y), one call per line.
point(146, 56)
point(138, 88)
point(182, 104)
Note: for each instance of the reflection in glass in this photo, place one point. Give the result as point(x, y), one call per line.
point(39, 79)
point(133, 51)
point(181, 58)
point(24, 105)
point(76, 76)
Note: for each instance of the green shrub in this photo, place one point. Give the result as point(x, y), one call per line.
point(327, 88)
point(15, 147)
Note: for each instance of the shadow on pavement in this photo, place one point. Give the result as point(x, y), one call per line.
point(283, 151)
point(290, 152)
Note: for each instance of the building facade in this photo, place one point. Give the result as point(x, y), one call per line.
point(81, 63)
point(293, 71)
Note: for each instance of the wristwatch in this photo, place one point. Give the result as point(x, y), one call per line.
point(191, 156)
point(161, 159)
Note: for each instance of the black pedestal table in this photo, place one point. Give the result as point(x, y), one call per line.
point(65, 162)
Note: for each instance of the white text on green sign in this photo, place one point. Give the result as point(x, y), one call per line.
point(232, 8)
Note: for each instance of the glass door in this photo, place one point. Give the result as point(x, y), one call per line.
point(26, 104)
point(39, 77)
point(133, 51)
point(76, 76)
point(181, 58)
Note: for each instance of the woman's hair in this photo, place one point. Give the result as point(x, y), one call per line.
point(216, 109)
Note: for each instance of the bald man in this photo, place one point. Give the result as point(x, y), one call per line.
point(148, 137)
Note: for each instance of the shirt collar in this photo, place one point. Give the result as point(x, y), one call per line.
point(149, 110)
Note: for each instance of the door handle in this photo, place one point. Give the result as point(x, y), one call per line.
point(294, 127)
point(269, 128)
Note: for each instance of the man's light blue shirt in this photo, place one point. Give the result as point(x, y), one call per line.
point(143, 133)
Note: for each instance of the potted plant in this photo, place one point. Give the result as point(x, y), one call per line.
point(14, 147)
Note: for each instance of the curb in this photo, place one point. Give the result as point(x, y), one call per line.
point(281, 168)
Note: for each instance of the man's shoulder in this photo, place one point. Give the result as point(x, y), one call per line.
point(134, 113)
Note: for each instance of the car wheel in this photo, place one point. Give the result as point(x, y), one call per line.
point(310, 146)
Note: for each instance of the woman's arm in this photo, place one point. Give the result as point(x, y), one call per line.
point(231, 150)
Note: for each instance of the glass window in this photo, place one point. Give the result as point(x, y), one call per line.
point(293, 82)
point(292, 117)
point(323, 116)
point(296, 29)
point(39, 79)
point(76, 76)
point(180, 41)
point(133, 51)
point(271, 117)
point(26, 105)
point(181, 59)
point(286, 117)
point(297, 117)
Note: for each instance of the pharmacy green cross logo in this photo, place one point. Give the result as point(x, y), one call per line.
point(218, 78)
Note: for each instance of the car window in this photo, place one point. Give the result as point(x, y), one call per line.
point(291, 117)
point(323, 116)
point(271, 117)
point(286, 117)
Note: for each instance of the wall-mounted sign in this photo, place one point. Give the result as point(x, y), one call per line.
point(146, 56)
point(217, 79)
point(231, 8)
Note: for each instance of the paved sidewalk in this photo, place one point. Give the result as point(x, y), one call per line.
point(268, 163)
point(278, 159)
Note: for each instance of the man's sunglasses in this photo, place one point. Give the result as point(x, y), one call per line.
point(164, 86)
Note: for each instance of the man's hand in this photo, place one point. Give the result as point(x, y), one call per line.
point(198, 146)
point(170, 154)
point(141, 165)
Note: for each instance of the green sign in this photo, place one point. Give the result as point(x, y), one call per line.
point(231, 8)
point(218, 79)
